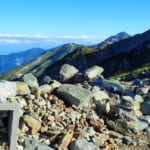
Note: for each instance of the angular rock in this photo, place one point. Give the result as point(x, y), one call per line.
point(115, 134)
point(31, 144)
point(120, 126)
point(129, 92)
point(45, 89)
point(103, 106)
point(31, 80)
point(127, 100)
point(22, 88)
point(55, 84)
point(93, 72)
point(137, 82)
point(108, 85)
point(127, 140)
point(138, 98)
point(98, 94)
point(67, 72)
point(74, 95)
point(145, 107)
point(66, 139)
point(137, 125)
point(142, 91)
point(46, 80)
point(145, 118)
point(7, 89)
point(100, 139)
point(82, 144)
point(33, 123)
point(126, 127)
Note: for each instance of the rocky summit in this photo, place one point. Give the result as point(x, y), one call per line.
point(93, 114)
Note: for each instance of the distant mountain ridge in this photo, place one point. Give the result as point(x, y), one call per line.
point(13, 60)
point(112, 39)
point(124, 55)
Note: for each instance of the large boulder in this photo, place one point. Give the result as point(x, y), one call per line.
point(110, 86)
point(127, 127)
point(82, 144)
point(74, 95)
point(31, 80)
point(67, 72)
point(22, 88)
point(31, 144)
point(93, 72)
point(7, 89)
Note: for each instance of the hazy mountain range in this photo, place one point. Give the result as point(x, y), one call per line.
point(13, 60)
point(10, 61)
point(117, 54)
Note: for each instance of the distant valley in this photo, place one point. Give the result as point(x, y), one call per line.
point(13, 60)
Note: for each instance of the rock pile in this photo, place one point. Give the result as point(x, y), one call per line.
point(93, 114)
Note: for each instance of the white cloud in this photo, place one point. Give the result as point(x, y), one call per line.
point(40, 36)
point(8, 35)
point(37, 39)
point(14, 41)
point(12, 35)
point(74, 37)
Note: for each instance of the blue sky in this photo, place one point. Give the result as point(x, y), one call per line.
point(82, 19)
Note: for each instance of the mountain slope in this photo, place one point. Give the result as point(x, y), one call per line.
point(119, 57)
point(39, 64)
point(13, 60)
point(113, 39)
point(131, 52)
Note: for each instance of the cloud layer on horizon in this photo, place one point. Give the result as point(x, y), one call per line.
point(18, 42)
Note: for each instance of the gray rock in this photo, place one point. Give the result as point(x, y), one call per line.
point(45, 89)
point(108, 85)
point(145, 107)
point(46, 80)
point(98, 94)
point(103, 106)
point(90, 131)
point(142, 91)
point(137, 82)
point(82, 144)
point(138, 98)
point(127, 100)
point(31, 80)
point(118, 141)
point(67, 72)
point(127, 140)
point(74, 95)
point(31, 144)
point(115, 134)
point(148, 129)
point(94, 72)
point(129, 92)
point(145, 118)
point(137, 125)
point(126, 127)
point(7, 89)
point(119, 125)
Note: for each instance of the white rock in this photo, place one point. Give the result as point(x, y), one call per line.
point(7, 89)
point(94, 72)
point(98, 94)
